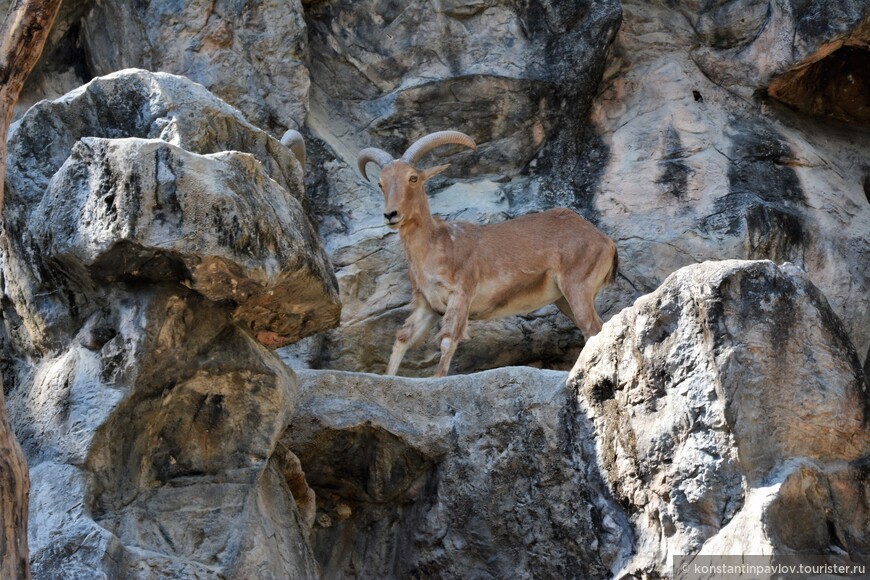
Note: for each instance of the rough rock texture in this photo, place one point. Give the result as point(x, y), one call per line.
point(487, 475)
point(250, 55)
point(684, 159)
point(703, 166)
point(503, 72)
point(731, 416)
point(145, 265)
point(127, 209)
point(724, 408)
point(215, 222)
point(151, 440)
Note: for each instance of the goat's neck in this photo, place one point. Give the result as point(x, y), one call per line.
point(420, 238)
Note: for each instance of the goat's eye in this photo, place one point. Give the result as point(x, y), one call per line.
point(381, 185)
point(413, 179)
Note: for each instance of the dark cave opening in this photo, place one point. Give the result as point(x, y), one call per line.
point(835, 86)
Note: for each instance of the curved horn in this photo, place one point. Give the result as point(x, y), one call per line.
point(372, 155)
point(293, 141)
point(424, 145)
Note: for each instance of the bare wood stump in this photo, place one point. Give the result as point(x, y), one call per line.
point(22, 38)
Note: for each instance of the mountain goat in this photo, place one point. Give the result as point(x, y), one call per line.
point(460, 270)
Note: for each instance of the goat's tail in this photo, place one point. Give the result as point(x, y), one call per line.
point(614, 268)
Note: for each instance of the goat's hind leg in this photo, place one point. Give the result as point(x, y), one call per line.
point(565, 309)
point(581, 302)
point(412, 332)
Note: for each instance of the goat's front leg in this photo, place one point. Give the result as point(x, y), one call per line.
point(452, 329)
point(412, 332)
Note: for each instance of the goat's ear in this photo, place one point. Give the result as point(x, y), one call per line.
point(433, 171)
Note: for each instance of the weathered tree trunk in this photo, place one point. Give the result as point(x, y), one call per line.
point(22, 38)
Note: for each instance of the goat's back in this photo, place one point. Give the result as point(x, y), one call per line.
point(542, 240)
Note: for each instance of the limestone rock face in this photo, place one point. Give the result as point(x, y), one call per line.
point(82, 209)
point(684, 157)
point(145, 265)
point(703, 165)
point(724, 403)
point(150, 441)
point(216, 222)
point(481, 475)
point(250, 55)
point(138, 103)
point(503, 72)
point(158, 243)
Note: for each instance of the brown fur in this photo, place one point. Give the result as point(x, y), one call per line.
point(462, 270)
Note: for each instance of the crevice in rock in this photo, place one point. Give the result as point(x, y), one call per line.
point(835, 86)
point(365, 464)
point(675, 172)
point(367, 482)
point(130, 262)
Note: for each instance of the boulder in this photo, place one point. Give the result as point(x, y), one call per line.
point(729, 400)
point(105, 184)
point(134, 209)
point(503, 73)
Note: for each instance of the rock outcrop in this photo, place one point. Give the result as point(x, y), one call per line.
point(90, 200)
point(146, 263)
point(731, 416)
point(703, 165)
point(487, 475)
point(250, 55)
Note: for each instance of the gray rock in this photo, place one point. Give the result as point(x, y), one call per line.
point(132, 209)
point(746, 45)
point(137, 103)
point(698, 168)
point(179, 413)
point(713, 398)
point(485, 475)
point(141, 282)
point(64, 541)
point(250, 55)
point(682, 164)
point(82, 212)
point(501, 72)
point(684, 157)
point(682, 160)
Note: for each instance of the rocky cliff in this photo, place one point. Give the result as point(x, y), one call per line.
point(159, 244)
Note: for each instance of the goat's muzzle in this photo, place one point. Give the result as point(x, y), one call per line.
point(393, 219)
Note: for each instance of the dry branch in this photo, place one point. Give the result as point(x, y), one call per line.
point(22, 38)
